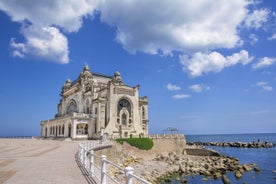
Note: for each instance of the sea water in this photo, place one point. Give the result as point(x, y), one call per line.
point(265, 158)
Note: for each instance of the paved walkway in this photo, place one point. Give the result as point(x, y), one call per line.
point(30, 161)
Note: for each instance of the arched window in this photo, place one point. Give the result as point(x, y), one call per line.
point(82, 129)
point(72, 107)
point(143, 112)
point(46, 132)
point(124, 119)
point(62, 129)
point(124, 103)
point(87, 110)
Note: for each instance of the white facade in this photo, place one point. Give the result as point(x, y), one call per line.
point(96, 104)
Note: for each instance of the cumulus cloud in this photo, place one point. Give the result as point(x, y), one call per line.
point(154, 27)
point(172, 87)
point(164, 26)
point(272, 37)
point(257, 18)
point(181, 96)
point(42, 23)
point(264, 62)
point(264, 86)
point(203, 63)
point(199, 87)
point(67, 14)
point(47, 43)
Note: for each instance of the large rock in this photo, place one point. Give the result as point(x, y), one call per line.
point(238, 174)
point(225, 180)
point(256, 169)
point(246, 167)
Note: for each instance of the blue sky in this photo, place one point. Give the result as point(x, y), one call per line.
point(207, 67)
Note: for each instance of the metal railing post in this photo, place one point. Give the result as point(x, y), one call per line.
point(91, 172)
point(103, 171)
point(85, 158)
point(79, 151)
point(82, 155)
point(129, 172)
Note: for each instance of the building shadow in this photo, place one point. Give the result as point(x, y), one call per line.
point(84, 172)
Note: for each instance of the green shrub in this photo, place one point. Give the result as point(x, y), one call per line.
point(141, 143)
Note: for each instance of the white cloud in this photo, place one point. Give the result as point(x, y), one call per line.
point(267, 88)
point(47, 43)
point(272, 37)
point(181, 96)
point(261, 84)
point(203, 63)
point(164, 26)
point(155, 27)
point(264, 86)
point(67, 14)
point(172, 87)
point(253, 39)
point(42, 22)
point(199, 87)
point(264, 62)
point(257, 18)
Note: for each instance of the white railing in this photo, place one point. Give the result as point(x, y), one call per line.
point(160, 136)
point(100, 173)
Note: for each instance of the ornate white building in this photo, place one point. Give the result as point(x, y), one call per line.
point(94, 105)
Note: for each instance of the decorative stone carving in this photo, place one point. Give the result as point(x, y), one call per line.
point(117, 79)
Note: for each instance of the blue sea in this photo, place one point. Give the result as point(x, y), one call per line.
point(265, 158)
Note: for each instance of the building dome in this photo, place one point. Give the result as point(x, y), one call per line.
point(86, 68)
point(117, 74)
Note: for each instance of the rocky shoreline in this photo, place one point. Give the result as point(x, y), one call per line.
point(257, 144)
point(163, 166)
point(214, 166)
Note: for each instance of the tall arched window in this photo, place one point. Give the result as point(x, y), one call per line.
point(124, 103)
point(72, 107)
point(124, 119)
point(143, 112)
point(46, 132)
point(87, 104)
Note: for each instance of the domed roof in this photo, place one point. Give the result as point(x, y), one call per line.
point(117, 73)
point(86, 68)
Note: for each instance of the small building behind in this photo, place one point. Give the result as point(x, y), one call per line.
point(94, 105)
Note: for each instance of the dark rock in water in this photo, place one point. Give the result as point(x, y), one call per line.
point(167, 180)
point(256, 169)
point(225, 180)
point(184, 180)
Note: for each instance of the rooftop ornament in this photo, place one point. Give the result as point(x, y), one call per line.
point(170, 130)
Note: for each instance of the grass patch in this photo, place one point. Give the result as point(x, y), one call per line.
point(141, 143)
